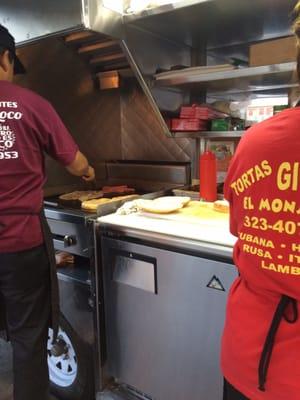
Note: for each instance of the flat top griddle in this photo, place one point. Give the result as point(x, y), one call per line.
point(73, 208)
point(55, 201)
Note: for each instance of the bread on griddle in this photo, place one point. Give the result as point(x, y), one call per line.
point(92, 205)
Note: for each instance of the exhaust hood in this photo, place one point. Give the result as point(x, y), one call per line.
point(32, 20)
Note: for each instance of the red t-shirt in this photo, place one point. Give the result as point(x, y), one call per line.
point(29, 126)
point(263, 186)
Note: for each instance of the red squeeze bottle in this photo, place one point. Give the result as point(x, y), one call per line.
point(208, 176)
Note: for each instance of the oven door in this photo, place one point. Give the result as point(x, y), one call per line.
point(164, 319)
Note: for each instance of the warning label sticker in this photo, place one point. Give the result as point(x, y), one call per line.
point(215, 283)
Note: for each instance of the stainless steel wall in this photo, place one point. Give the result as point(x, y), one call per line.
point(107, 125)
point(142, 135)
point(92, 116)
point(30, 19)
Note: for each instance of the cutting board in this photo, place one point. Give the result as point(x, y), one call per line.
point(195, 212)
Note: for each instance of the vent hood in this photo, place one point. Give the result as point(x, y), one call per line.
point(31, 20)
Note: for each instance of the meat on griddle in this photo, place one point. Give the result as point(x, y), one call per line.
point(117, 190)
point(81, 195)
point(85, 195)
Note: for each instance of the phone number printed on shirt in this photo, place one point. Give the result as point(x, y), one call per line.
point(280, 226)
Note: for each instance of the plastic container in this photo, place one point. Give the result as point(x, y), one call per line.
point(208, 176)
point(220, 124)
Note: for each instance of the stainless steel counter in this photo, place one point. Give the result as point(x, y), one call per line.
point(211, 238)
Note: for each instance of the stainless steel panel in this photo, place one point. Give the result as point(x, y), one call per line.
point(140, 78)
point(222, 22)
point(155, 10)
point(32, 20)
point(29, 20)
point(76, 306)
point(207, 249)
point(102, 19)
point(175, 335)
point(136, 271)
point(209, 135)
point(160, 53)
point(179, 173)
point(142, 136)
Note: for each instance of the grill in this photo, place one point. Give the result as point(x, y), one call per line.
point(70, 224)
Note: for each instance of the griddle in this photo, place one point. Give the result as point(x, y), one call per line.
point(56, 202)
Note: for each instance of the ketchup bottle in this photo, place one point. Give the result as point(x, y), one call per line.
point(208, 176)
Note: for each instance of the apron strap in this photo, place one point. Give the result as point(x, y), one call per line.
point(266, 354)
point(48, 241)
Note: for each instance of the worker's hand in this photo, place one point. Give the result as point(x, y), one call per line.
point(63, 259)
point(90, 175)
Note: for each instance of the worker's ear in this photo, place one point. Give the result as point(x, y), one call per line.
point(5, 62)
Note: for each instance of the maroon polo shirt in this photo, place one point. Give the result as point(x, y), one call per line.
point(29, 127)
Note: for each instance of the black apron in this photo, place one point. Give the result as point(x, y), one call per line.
point(48, 242)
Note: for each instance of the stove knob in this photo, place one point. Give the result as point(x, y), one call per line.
point(69, 241)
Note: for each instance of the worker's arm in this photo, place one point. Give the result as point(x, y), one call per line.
point(81, 167)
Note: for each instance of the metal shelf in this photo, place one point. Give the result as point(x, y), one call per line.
point(267, 77)
point(208, 135)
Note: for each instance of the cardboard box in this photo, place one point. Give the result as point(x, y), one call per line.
point(273, 52)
